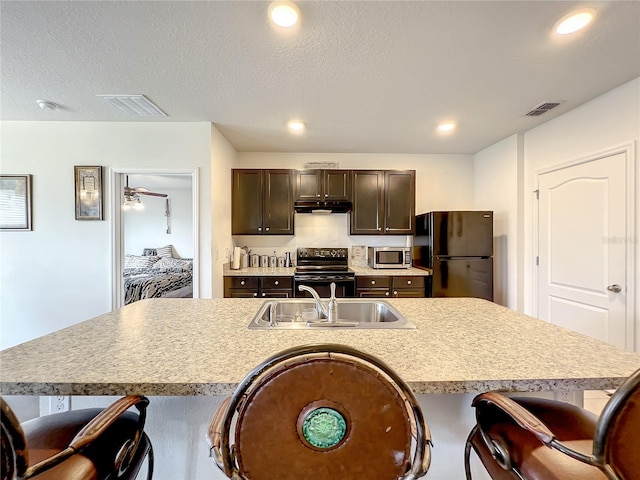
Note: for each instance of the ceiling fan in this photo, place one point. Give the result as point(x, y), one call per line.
point(132, 191)
point(132, 199)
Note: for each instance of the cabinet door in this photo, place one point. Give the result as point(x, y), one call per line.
point(415, 282)
point(240, 287)
point(276, 283)
point(336, 184)
point(240, 293)
point(373, 281)
point(308, 185)
point(408, 286)
point(368, 202)
point(400, 202)
point(278, 202)
point(276, 294)
point(372, 293)
point(246, 202)
point(408, 293)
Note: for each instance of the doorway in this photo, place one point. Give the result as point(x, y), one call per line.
point(161, 210)
point(585, 230)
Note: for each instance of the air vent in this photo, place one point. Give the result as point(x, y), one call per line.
point(135, 105)
point(542, 108)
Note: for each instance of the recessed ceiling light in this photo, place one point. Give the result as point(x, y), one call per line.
point(296, 126)
point(574, 21)
point(284, 13)
point(446, 127)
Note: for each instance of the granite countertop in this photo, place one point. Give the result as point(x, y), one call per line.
point(289, 271)
point(202, 347)
point(258, 271)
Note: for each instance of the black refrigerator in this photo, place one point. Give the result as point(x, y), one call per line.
point(458, 247)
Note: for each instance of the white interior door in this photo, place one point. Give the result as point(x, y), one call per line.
point(583, 248)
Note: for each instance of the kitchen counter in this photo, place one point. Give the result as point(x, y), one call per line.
point(391, 272)
point(258, 271)
point(180, 347)
point(289, 271)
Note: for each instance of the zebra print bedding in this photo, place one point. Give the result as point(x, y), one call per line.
point(141, 283)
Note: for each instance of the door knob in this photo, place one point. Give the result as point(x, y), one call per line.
point(614, 288)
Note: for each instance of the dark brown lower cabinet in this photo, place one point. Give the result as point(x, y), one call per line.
point(370, 286)
point(408, 287)
point(375, 286)
point(258, 287)
point(381, 286)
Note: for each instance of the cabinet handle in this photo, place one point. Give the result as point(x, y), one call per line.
point(242, 282)
point(373, 282)
point(264, 294)
point(386, 293)
point(276, 282)
point(408, 282)
point(326, 195)
point(255, 294)
point(379, 229)
point(318, 195)
point(386, 229)
point(259, 229)
point(395, 293)
point(267, 229)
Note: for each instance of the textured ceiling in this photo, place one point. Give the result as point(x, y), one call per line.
point(366, 76)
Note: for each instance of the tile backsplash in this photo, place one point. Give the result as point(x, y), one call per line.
point(318, 231)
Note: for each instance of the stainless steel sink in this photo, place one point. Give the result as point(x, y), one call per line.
point(352, 313)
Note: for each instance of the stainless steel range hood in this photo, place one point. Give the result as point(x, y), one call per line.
point(342, 206)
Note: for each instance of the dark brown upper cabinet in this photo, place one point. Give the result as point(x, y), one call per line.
point(262, 202)
point(323, 185)
point(383, 202)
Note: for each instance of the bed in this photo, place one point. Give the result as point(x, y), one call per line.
point(151, 276)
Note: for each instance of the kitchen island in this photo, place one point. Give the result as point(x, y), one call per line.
point(182, 352)
point(202, 347)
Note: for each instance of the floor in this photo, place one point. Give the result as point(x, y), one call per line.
point(595, 400)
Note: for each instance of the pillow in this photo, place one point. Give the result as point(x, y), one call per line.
point(137, 261)
point(166, 251)
point(168, 262)
point(149, 251)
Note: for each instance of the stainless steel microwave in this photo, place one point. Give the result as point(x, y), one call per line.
point(389, 257)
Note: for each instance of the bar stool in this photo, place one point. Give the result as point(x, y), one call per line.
point(77, 445)
point(532, 438)
point(325, 412)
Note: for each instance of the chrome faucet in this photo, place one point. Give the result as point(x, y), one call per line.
point(331, 313)
point(333, 305)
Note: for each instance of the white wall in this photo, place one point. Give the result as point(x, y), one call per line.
point(443, 182)
point(59, 273)
point(611, 120)
point(148, 228)
point(495, 177)
point(222, 159)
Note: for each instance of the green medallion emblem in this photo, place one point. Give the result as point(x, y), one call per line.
point(324, 427)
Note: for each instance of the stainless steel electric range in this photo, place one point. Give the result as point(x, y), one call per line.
point(319, 267)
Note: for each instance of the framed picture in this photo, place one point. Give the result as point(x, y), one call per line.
point(15, 202)
point(88, 193)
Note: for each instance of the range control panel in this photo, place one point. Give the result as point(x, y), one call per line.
point(320, 253)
